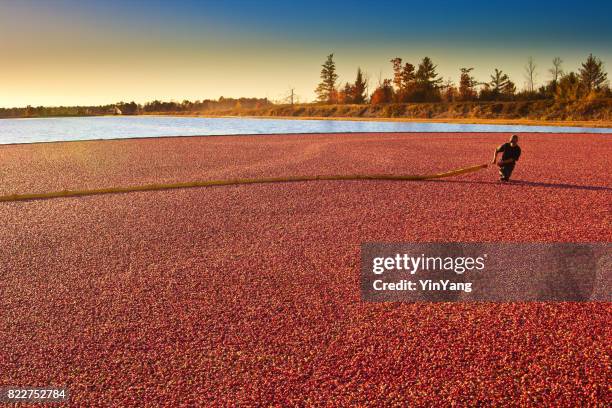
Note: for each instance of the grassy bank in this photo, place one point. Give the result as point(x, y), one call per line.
point(547, 112)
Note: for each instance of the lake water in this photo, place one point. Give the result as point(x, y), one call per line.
point(123, 127)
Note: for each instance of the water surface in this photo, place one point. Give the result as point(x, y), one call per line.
point(123, 127)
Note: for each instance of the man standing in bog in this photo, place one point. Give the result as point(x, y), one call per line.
point(510, 155)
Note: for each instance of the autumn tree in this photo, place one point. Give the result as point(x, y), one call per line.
point(383, 93)
point(326, 90)
point(569, 87)
point(592, 75)
point(449, 91)
point(467, 83)
point(345, 95)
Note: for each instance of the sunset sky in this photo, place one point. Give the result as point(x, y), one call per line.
point(71, 53)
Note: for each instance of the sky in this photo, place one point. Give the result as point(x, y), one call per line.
point(65, 52)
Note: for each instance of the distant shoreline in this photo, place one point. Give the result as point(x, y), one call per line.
point(594, 113)
point(466, 121)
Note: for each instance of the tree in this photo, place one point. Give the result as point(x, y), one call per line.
point(592, 75)
point(408, 74)
point(466, 85)
point(498, 81)
point(530, 74)
point(509, 89)
point(556, 71)
point(403, 79)
point(359, 88)
point(426, 75)
point(397, 73)
point(427, 81)
point(131, 108)
point(408, 78)
point(383, 93)
point(569, 87)
point(326, 90)
point(500, 87)
point(345, 95)
point(449, 91)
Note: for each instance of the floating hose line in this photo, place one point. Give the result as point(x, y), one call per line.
point(230, 182)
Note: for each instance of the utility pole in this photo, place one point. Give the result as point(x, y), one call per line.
point(291, 96)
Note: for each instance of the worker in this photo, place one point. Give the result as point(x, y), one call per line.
point(510, 155)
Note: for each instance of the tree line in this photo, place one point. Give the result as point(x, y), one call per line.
point(133, 108)
point(422, 83)
point(409, 83)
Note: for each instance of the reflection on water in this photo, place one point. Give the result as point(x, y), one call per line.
point(122, 127)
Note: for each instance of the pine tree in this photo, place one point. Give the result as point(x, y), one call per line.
point(466, 85)
point(592, 74)
point(509, 89)
point(408, 84)
point(345, 95)
point(408, 75)
point(403, 79)
point(359, 88)
point(397, 73)
point(326, 90)
point(499, 81)
point(500, 87)
point(427, 82)
point(426, 75)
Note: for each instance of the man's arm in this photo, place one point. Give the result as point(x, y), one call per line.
point(494, 156)
point(496, 152)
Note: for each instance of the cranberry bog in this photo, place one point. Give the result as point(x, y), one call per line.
point(238, 295)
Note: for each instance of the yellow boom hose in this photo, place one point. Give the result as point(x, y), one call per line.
point(230, 182)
